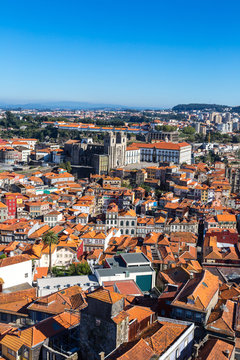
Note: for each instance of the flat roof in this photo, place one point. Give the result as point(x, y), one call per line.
point(56, 283)
point(135, 258)
point(20, 287)
point(121, 270)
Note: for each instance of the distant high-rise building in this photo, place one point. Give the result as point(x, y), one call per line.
point(225, 127)
point(218, 119)
point(197, 127)
point(233, 174)
point(203, 129)
point(212, 116)
point(227, 117)
point(236, 124)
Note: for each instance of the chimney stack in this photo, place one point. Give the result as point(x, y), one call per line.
point(226, 353)
point(102, 355)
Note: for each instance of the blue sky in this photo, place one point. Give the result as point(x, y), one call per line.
point(145, 53)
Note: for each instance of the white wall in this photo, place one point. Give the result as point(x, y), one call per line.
point(122, 276)
point(16, 274)
point(181, 344)
point(44, 260)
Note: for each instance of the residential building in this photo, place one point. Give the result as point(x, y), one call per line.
point(3, 212)
point(197, 298)
point(53, 218)
point(9, 267)
point(48, 337)
point(134, 266)
point(48, 286)
point(165, 152)
point(71, 298)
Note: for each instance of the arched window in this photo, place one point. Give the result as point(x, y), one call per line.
point(121, 223)
point(133, 223)
point(132, 231)
point(126, 231)
point(127, 223)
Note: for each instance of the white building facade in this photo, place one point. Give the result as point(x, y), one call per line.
point(15, 271)
point(132, 155)
point(165, 151)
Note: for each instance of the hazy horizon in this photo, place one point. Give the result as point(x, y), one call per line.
point(155, 54)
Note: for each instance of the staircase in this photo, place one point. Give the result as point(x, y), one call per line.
point(155, 252)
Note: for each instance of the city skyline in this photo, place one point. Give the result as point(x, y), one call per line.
point(130, 54)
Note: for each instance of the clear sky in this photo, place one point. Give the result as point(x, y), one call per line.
point(129, 52)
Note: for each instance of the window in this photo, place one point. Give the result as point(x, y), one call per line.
point(198, 317)
point(26, 275)
point(177, 354)
point(11, 352)
point(127, 223)
point(4, 317)
point(178, 312)
point(25, 353)
point(188, 314)
point(132, 223)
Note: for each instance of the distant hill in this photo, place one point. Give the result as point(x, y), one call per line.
point(236, 109)
point(62, 105)
point(201, 107)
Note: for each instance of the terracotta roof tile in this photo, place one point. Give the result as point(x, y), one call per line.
point(105, 295)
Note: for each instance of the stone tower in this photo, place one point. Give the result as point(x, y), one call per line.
point(115, 148)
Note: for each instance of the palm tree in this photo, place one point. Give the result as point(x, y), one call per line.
point(48, 239)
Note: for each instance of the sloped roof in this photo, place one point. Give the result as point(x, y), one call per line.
point(198, 292)
point(215, 349)
point(139, 350)
point(70, 298)
point(221, 318)
point(14, 260)
point(105, 295)
point(35, 335)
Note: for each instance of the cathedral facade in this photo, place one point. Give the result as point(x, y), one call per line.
point(102, 158)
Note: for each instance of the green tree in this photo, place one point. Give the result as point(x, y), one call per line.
point(72, 269)
point(49, 239)
point(147, 188)
point(67, 166)
point(83, 269)
point(189, 130)
point(167, 128)
point(158, 193)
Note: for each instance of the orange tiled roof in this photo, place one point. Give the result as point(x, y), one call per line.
point(198, 292)
point(14, 260)
point(37, 334)
point(139, 350)
point(222, 318)
point(215, 349)
point(105, 295)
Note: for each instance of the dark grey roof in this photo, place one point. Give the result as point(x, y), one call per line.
point(135, 258)
point(120, 270)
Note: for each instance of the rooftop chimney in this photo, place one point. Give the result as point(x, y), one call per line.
point(226, 353)
point(102, 355)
